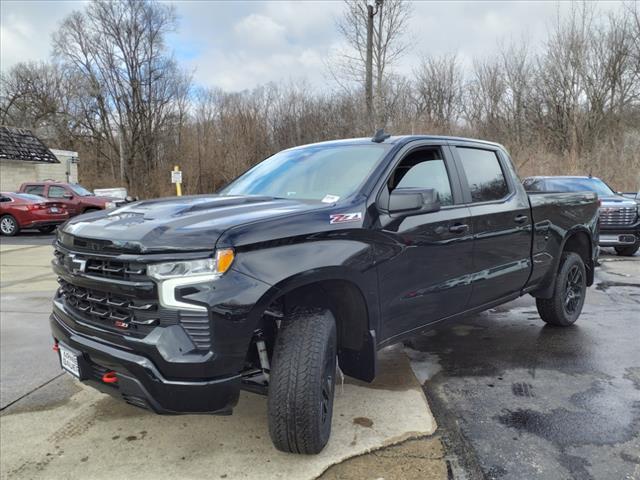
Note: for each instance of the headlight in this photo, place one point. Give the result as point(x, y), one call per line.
point(192, 268)
point(110, 205)
point(171, 275)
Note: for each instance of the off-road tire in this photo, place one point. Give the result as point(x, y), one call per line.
point(628, 251)
point(302, 382)
point(564, 307)
point(47, 229)
point(5, 222)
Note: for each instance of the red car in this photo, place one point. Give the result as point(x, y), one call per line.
point(75, 198)
point(22, 210)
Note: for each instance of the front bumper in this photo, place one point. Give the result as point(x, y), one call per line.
point(181, 362)
point(140, 383)
point(619, 236)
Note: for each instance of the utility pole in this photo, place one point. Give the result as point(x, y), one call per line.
point(368, 86)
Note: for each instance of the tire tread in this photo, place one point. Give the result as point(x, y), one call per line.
point(294, 383)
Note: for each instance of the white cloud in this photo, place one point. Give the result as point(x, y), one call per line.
point(26, 28)
point(260, 32)
point(240, 44)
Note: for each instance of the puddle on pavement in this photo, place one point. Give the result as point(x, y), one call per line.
point(604, 286)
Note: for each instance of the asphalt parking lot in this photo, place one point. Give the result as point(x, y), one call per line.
point(515, 399)
point(512, 399)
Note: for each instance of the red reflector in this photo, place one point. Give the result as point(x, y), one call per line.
point(110, 377)
point(56, 348)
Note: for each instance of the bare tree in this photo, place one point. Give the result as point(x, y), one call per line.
point(438, 91)
point(349, 67)
point(132, 81)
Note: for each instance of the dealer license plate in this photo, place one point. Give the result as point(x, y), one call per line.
point(69, 361)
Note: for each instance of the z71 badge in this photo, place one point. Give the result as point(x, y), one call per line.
point(345, 217)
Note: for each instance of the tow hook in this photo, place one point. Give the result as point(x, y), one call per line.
point(110, 377)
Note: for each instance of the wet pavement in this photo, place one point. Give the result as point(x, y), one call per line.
point(516, 399)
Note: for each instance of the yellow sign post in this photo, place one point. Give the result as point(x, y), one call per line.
point(176, 177)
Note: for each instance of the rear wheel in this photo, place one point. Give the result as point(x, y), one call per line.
point(628, 251)
point(564, 307)
point(9, 226)
point(47, 229)
point(302, 383)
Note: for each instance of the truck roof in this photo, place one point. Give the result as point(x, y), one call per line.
point(564, 176)
point(402, 139)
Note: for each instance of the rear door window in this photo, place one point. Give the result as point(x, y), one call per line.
point(35, 189)
point(484, 174)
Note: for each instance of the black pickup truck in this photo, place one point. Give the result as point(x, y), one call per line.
point(311, 261)
point(619, 214)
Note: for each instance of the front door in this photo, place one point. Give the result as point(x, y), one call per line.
point(61, 194)
point(428, 256)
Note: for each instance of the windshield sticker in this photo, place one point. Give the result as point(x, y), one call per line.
point(328, 198)
point(345, 217)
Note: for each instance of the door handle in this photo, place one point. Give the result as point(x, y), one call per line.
point(521, 219)
point(458, 228)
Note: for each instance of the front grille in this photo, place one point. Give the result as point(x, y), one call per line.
point(113, 269)
point(618, 216)
point(126, 313)
point(109, 310)
point(102, 267)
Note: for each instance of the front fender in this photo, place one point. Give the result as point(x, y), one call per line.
point(289, 266)
point(338, 272)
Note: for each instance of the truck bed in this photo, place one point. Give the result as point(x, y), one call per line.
point(553, 216)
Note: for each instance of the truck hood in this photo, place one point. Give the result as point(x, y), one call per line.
point(192, 223)
point(616, 201)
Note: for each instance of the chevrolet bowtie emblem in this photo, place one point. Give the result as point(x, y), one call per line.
point(77, 265)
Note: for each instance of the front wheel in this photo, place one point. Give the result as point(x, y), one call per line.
point(564, 307)
point(9, 226)
point(302, 383)
point(628, 251)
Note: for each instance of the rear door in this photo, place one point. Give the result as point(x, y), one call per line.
point(34, 190)
point(501, 220)
point(429, 256)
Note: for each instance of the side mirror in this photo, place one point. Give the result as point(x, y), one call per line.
point(68, 196)
point(413, 201)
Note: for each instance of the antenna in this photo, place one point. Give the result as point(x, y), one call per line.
point(380, 136)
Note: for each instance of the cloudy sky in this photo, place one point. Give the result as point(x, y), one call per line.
point(237, 45)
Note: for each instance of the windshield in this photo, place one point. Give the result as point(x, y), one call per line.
point(324, 173)
point(80, 190)
point(578, 185)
